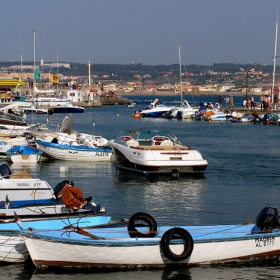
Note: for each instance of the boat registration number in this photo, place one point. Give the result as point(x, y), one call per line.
point(101, 154)
point(264, 241)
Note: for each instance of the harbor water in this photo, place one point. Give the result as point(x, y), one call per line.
point(242, 177)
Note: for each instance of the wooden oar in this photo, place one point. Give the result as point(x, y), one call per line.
point(81, 231)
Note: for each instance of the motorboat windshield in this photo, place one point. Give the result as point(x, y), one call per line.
point(145, 136)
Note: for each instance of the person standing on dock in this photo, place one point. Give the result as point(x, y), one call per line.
point(227, 101)
point(231, 102)
point(253, 101)
point(265, 102)
point(220, 101)
point(262, 101)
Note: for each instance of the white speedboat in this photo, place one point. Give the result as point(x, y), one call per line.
point(156, 153)
point(130, 105)
point(58, 105)
point(156, 112)
point(185, 111)
point(216, 115)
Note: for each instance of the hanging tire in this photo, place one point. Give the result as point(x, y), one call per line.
point(176, 233)
point(149, 222)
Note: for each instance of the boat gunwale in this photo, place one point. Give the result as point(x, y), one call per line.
point(126, 242)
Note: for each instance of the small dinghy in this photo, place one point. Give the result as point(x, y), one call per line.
point(24, 154)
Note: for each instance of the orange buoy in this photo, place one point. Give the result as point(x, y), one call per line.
point(137, 115)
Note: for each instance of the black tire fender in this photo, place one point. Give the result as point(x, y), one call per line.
point(176, 233)
point(148, 219)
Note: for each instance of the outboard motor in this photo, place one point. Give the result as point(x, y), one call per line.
point(268, 218)
point(60, 186)
point(179, 114)
point(5, 171)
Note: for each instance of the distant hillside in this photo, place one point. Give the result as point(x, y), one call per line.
point(123, 72)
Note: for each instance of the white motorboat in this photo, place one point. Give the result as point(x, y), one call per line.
point(185, 111)
point(156, 153)
point(130, 105)
point(156, 112)
point(36, 110)
point(217, 115)
point(58, 105)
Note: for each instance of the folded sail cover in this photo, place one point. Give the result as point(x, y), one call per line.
point(54, 78)
point(36, 75)
point(12, 82)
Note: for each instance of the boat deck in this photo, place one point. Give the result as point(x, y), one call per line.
point(174, 148)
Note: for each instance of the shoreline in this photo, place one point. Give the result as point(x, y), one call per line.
point(170, 93)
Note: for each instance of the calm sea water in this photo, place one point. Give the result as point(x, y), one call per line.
point(241, 178)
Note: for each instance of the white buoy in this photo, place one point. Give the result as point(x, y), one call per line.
point(63, 168)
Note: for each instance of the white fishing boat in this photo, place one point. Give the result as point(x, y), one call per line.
point(152, 246)
point(152, 152)
point(22, 189)
point(74, 151)
point(66, 135)
point(24, 155)
point(12, 245)
point(68, 209)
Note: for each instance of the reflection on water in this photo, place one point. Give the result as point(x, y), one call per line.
point(168, 199)
point(264, 271)
point(241, 178)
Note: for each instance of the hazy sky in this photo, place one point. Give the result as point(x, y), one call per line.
point(143, 31)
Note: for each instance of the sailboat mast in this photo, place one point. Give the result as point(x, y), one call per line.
point(180, 73)
point(274, 61)
point(20, 71)
point(34, 58)
point(89, 75)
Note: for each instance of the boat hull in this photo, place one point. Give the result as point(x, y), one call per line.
point(13, 248)
point(68, 109)
point(158, 162)
point(157, 112)
point(75, 153)
point(218, 247)
point(25, 192)
point(24, 155)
